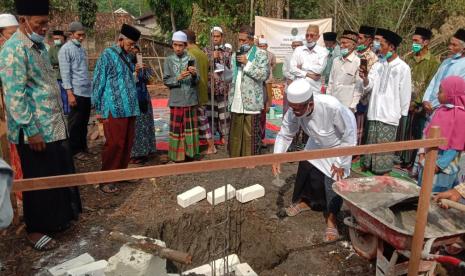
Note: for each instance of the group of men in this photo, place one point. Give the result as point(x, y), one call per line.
point(372, 96)
point(353, 92)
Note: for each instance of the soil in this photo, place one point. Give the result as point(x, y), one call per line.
point(255, 231)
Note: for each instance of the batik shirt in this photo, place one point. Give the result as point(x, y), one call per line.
point(32, 96)
point(221, 87)
point(461, 189)
point(114, 86)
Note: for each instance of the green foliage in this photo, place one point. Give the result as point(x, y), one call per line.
point(87, 12)
point(172, 15)
point(7, 6)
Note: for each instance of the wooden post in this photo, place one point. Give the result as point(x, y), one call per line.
point(423, 205)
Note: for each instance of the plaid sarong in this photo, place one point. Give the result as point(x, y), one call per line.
point(184, 134)
point(221, 115)
point(205, 132)
point(244, 138)
point(379, 132)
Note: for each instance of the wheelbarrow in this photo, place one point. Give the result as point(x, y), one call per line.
point(383, 212)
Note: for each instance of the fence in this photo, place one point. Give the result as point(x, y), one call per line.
point(431, 145)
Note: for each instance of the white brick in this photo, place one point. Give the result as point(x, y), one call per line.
point(92, 269)
point(60, 270)
point(244, 269)
point(205, 269)
point(250, 193)
point(192, 196)
point(232, 261)
point(219, 194)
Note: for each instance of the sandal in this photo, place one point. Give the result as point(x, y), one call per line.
point(45, 243)
point(331, 235)
point(295, 209)
point(108, 188)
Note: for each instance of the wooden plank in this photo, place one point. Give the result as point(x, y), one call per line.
point(214, 165)
point(423, 205)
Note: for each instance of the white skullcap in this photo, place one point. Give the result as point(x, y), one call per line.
point(179, 36)
point(298, 38)
point(299, 91)
point(227, 45)
point(8, 20)
point(262, 41)
point(217, 29)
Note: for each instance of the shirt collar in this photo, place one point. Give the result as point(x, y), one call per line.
point(426, 56)
point(24, 39)
point(349, 58)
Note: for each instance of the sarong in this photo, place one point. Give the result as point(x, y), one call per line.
point(184, 133)
point(315, 188)
point(221, 115)
point(245, 136)
point(378, 132)
point(205, 132)
point(144, 139)
point(51, 210)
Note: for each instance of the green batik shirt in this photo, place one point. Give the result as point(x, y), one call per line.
point(423, 70)
point(32, 96)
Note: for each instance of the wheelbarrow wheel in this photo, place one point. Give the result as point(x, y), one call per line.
point(365, 244)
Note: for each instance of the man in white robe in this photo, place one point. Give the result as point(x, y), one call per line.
point(329, 124)
point(390, 84)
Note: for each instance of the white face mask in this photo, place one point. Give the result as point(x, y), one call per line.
point(311, 44)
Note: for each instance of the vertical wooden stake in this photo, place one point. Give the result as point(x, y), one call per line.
point(423, 205)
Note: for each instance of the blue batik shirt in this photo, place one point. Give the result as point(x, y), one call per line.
point(114, 86)
point(32, 96)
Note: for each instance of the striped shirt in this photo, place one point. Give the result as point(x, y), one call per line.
point(73, 69)
point(114, 87)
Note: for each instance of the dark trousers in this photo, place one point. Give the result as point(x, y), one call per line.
point(78, 119)
point(51, 210)
point(315, 188)
point(119, 135)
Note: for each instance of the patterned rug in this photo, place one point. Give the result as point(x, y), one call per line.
point(396, 172)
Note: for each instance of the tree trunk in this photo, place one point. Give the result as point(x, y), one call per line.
point(173, 21)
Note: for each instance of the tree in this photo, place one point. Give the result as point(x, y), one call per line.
point(87, 12)
point(7, 6)
point(172, 15)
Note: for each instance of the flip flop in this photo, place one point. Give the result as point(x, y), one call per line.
point(45, 243)
point(331, 232)
point(295, 209)
point(111, 188)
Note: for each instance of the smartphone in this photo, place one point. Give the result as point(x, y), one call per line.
point(190, 63)
point(364, 64)
point(139, 59)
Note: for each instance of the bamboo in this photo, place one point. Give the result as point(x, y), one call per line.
point(214, 165)
point(423, 205)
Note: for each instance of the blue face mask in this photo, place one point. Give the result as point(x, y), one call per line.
point(245, 48)
point(344, 52)
point(457, 56)
point(34, 36)
point(376, 45)
point(385, 57)
point(76, 42)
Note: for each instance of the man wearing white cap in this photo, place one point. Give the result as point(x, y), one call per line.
point(220, 58)
point(329, 124)
point(8, 26)
point(180, 76)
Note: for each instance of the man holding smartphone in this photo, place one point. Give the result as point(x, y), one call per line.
point(180, 76)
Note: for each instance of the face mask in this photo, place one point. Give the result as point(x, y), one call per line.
point(245, 48)
point(386, 57)
point(311, 44)
point(76, 42)
point(416, 47)
point(344, 52)
point(361, 47)
point(34, 36)
point(376, 45)
point(457, 56)
point(57, 42)
point(330, 50)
